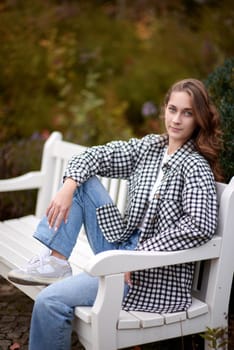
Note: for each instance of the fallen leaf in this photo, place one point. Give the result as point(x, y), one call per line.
point(15, 346)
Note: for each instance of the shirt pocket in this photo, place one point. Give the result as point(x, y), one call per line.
point(111, 222)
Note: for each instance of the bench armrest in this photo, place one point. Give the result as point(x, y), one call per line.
point(110, 266)
point(31, 180)
point(119, 261)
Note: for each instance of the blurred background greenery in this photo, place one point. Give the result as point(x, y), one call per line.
point(98, 70)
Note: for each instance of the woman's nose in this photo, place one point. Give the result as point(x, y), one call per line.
point(176, 118)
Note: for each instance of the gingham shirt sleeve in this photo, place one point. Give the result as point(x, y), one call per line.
point(198, 221)
point(115, 159)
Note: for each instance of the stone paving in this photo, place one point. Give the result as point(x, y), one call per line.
point(15, 315)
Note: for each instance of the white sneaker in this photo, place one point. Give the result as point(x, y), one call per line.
point(41, 270)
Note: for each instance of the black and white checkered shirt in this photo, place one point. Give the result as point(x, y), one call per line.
point(182, 214)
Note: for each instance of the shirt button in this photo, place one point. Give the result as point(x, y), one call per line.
point(157, 195)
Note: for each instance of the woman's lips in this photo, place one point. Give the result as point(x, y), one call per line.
point(175, 129)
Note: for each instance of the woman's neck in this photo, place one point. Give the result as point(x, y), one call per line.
point(172, 148)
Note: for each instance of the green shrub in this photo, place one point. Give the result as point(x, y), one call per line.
point(17, 158)
point(49, 49)
point(221, 86)
point(87, 70)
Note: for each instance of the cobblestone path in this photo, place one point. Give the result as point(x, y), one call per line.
point(15, 315)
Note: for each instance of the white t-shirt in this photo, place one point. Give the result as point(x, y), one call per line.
point(165, 159)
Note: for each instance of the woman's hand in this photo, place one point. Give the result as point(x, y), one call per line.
point(59, 207)
point(127, 278)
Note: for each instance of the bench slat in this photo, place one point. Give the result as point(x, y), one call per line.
point(175, 317)
point(128, 321)
point(197, 308)
point(148, 319)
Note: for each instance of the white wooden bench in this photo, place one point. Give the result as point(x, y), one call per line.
point(105, 326)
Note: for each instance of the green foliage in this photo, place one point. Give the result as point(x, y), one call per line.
point(221, 86)
point(50, 49)
point(217, 337)
point(17, 158)
point(86, 68)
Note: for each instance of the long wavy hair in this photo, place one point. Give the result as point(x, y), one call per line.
point(207, 136)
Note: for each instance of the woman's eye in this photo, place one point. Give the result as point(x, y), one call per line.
point(188, 113)
point(172, 109)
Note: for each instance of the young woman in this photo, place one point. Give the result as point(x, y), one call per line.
point(172, 205)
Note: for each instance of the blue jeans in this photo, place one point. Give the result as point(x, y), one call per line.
point(53, 311)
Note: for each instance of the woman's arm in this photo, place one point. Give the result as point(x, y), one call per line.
point(198, 221)
point(116, 159)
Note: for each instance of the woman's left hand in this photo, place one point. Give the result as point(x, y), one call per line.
point(59, 207)
point(127, 278)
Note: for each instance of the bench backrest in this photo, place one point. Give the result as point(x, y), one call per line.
point(56, 154)
point(213, 278)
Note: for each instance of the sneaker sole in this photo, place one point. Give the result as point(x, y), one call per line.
point(36, 282)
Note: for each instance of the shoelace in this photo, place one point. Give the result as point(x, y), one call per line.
point(40, 258)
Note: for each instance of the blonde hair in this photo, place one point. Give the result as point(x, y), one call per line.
point(207, 135)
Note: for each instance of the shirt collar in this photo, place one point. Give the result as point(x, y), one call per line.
point(178, 158)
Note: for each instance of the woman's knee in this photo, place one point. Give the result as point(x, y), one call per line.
point(43, 301)
point(95, 192)
point(47, 303)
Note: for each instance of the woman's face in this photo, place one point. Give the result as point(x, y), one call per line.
point(179, 119)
